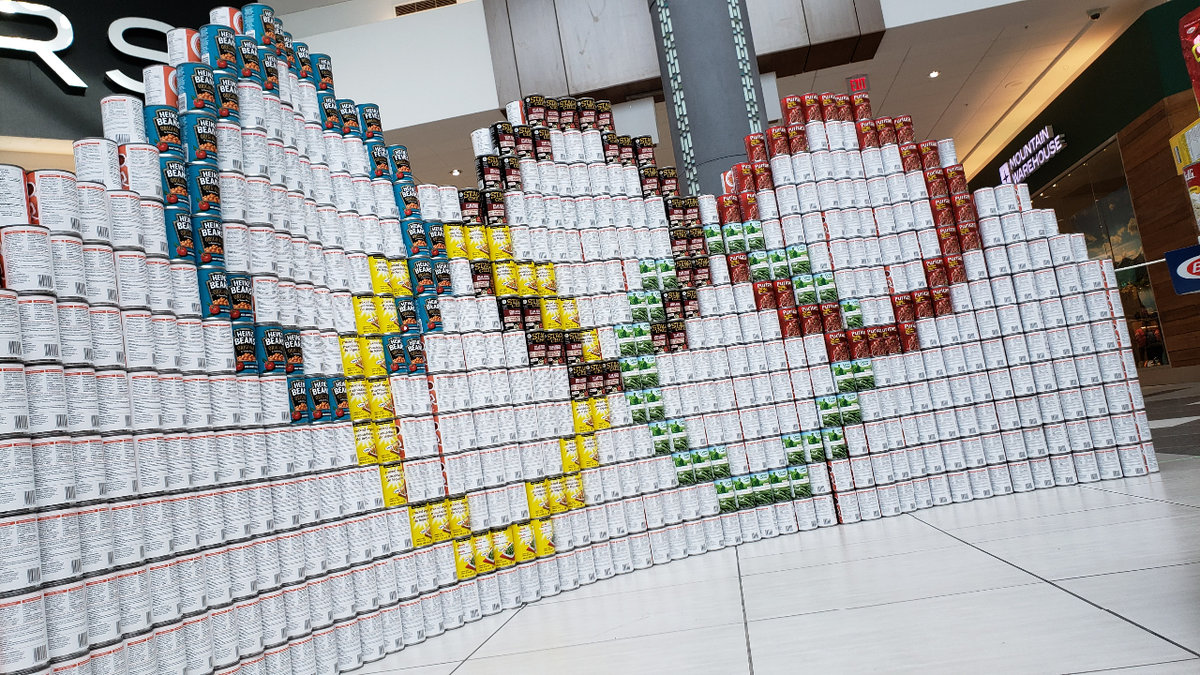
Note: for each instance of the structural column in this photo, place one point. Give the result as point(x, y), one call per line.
point(710, 82)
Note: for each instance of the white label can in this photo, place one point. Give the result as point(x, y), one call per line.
point(66, 621)
point(132, 279)
point(139, 338)
point(44, 385)
point(39, 328)
point(54, 472)
point(185, 285)
point(100, 270)
point(23, 643)
point(70, 279)
point(58, 540)
point(112, 399)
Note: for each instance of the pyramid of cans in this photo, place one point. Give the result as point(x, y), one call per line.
point(896, 342)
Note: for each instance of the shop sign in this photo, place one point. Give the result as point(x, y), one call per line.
point(1184, 265)
point(1032, 155)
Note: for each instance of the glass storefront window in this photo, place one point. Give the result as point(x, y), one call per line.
point(1093, 199)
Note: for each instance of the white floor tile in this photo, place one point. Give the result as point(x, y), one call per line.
point(1171, 422)
point(450, 647)
point(382, 668)
point(1185, 667)
point(1021, 507)
point(1034, 629)
point(719, 650)
point(840, 544)
point(700, 569)
point(1165, 600)
point(873, 581)
point(625, 615)
point(1179, 482)
point(1070, 521)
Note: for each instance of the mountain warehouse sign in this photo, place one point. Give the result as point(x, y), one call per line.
point(1031, 156)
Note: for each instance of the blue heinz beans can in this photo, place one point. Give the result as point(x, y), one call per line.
point(429, 312)
point(405, 192)
point(199, 131)
point(415, 233)
point(204, 186)
point(248, 64)
point(269, 63)
point(214, 290)
point(319, 407)
point(298, 399)
point(348, 111)
point(394, 357)
point(304, 67)
point(197, 87)
point(269, 348)
point(400, 163)
point(245, 348)
point(174, 177)
point(414, 353)
point(181, 241)
point(208, 233)
point(218, 46)
point(370, 121)
point(293, 350)
point(241, 297)
point(258, 21)
point(406, 315)
point(339, 399)
point(226, 83)
point(379, 159)
point(162, 128)
point(322, 71)
point(331, 115)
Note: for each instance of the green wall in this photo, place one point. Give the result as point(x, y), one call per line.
point(1139, 69)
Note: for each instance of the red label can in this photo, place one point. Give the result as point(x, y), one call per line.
point(756, 147)
point(956, 179)
point(743, 176)
point(942, 306)
point(812, 107)
point(922, 304)
point(762, 176)
point(935, 183)
point(886, 130)
point(730, 211)
point(943, 210)
point(860, 344)
point(739, 267)
point(968, 236)
point(831, 317)
point(861, 102)
point(902, 307)
point(955, 268)
point(789, 321)
point(784, 295)
point(878, 341)
point(929, 155)
point(893, 338)
point(748, 203)
point(964, 207)
point(948, 239)
point(844, 112)
point(793, 109)
point(904, 128)
point(935, 272)
point(838, 346)
point(829, 106)
point(797, 138)
point(764, 295)
point(867, 136)
point(810, 319)
point(777, 141)
point(910, 157)
point(907, 332)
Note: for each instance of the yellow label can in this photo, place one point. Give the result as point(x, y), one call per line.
point(385, 309)
point(551, 318)
point(460, 517)
point(401, 280)
point(547, 281)
point(456, 240)
point(359, 399)
point(558, 496)
point(464, 559)
point(364, 444)
point(581, 415)
point(370, 354)
point(573, 485)
point(379, 397)
point(391, 481)
point(522, 536)
point(537, 494)
point(485, 553)
point(568, 309)
point(570, 456)
point(477, 242)
point(601, 415)
point(419, 518)
point(352, 362)
point(366, 318)
point(504, 278)
point(504, 550)
point(589, 451)
point(388, 446)
point(590, 344)
point(526, 280)
point(381, 275)
point(439, 521)
point(543, 537)
point(500, 246)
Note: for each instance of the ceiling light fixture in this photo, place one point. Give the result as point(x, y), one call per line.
point(933, 73)
point(455, 172)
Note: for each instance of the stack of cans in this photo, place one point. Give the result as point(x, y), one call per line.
point(268, 403)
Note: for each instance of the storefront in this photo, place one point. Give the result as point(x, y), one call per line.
point(1099, 155)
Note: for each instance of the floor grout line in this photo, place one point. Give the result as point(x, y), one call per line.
point(1070, 592)
point(1139, 569)
point(1152, 499)
point(1142, 665)
point(487, 639)
point(745, 616)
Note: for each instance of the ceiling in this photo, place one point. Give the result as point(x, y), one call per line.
point(997, 69)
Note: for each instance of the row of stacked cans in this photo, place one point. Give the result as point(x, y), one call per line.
point(923, 344)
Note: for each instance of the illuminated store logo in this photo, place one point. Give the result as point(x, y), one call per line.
point(1036, 152)
point(47, 50)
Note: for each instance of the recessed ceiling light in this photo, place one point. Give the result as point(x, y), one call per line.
point(455, 172)
point(934, 73)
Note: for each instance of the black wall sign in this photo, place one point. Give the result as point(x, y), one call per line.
point(58, 58)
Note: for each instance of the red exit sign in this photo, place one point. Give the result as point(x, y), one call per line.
point(856, 84)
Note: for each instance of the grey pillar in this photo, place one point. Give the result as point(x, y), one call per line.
point(710, 81)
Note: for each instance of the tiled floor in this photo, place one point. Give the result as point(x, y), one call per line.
point(1098, 577)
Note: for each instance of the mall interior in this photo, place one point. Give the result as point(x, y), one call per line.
point(423, 337)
